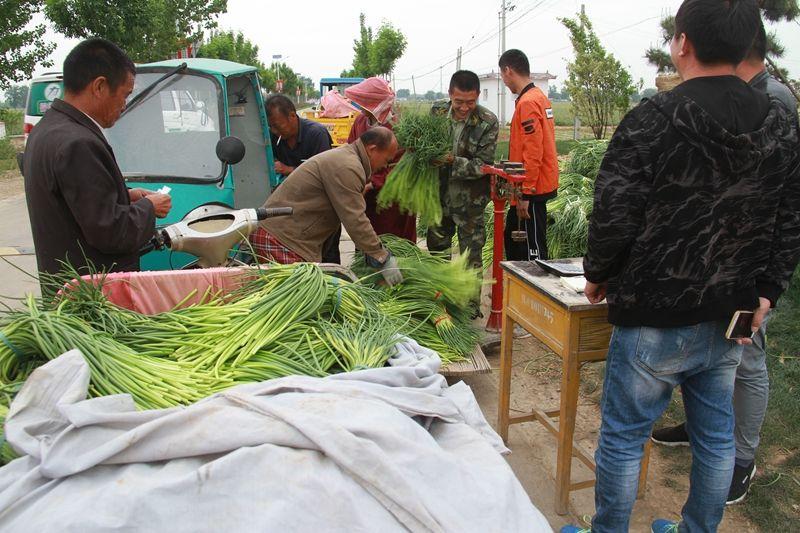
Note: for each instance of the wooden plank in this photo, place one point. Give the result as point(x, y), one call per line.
point(520, 419)
point(506, 344)
point(581, 485)
point(475, 364)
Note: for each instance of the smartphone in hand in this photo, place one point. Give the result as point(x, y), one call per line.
point(740, 326)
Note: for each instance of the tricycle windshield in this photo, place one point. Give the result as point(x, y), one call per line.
point(173, 132)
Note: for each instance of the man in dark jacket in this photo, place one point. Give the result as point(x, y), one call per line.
point(751, 390)
point(80, 209)
point(696, 216)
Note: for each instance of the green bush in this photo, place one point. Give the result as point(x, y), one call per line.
point(7, 150)
point(13, 119)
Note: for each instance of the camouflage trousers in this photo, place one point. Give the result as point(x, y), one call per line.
point(468, 224)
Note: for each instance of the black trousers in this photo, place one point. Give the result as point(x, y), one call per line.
point(535, 244)
point(330, 248)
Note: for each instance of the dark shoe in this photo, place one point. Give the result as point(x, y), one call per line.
point(740, 484)
point(673, 436)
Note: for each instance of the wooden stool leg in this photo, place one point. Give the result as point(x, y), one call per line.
point(643, 470)
point(570, 386)
point(504, 403)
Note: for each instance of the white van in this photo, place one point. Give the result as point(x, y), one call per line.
point(41, 93)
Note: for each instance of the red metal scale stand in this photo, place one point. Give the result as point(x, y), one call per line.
point(506, 188)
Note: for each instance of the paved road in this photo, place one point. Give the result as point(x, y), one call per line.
point(16, 250)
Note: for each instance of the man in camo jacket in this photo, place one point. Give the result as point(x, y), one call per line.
point(464, 189)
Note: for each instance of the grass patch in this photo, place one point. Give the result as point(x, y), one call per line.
point(773, 502)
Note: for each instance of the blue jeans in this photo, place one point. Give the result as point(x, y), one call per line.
point(644, 365)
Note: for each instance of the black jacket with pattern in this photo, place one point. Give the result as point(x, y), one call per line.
point(692, 222)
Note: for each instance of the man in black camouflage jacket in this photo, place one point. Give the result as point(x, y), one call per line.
point(696, 216)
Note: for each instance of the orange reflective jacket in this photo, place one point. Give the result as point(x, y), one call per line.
point(533, 142)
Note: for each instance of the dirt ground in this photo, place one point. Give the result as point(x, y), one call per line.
point(10, 184)
point(536, 382)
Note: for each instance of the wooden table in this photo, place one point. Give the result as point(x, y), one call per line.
point(578, 332)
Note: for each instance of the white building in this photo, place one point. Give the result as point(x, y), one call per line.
point(493, 89)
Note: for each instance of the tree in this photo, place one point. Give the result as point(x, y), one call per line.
point(771, 11)
point(598, 84)
point(376, 54)
point(21, 48)
point(148, 30)
point(656, 56)
point(16, 95)
point(649, 92)
point(403, 93)
point(231, 47)
point(553, 93)
point(386, 49)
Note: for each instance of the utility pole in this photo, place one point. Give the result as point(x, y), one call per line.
point(501, 92)
point(458, 59)
point(440, 79)
point(414, 87)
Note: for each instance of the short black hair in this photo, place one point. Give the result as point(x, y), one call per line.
point(280, 102)
point(378, 136)
point(465, 80)
point(721, 31)
point(516, 60)
point(758, 50)
point(92, 59)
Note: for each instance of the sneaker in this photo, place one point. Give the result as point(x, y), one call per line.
point(673, 436)
point(664, 526)
point(740, 484)
point(520, 332)
point(575, 529)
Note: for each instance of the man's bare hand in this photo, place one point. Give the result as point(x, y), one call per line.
point(595, 292)
point(161, 202)
point(446, 160)
point(522, 209)
point(280, 168)
point(759, 314)
point(137, 194)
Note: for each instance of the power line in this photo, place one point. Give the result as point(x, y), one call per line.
point(606, 34)
point(483, 41)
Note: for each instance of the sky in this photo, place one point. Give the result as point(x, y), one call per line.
point(316, 37)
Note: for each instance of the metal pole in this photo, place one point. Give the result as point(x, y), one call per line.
point(501, 93)
point(458, 59)
point(414, 87)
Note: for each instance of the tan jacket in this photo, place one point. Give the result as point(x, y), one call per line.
point(325, 191)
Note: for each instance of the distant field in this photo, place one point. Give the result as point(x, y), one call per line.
point(563, 113)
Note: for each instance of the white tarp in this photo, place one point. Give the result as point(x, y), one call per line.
point(389, 449)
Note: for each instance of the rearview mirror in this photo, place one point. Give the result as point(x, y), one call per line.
point(230, 150)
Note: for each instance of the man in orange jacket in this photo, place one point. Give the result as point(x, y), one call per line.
point(533, 143)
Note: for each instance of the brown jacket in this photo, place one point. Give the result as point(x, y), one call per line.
point(325, 191)
point(77, 200)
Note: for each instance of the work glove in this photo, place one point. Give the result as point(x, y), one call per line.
point(388, 269)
